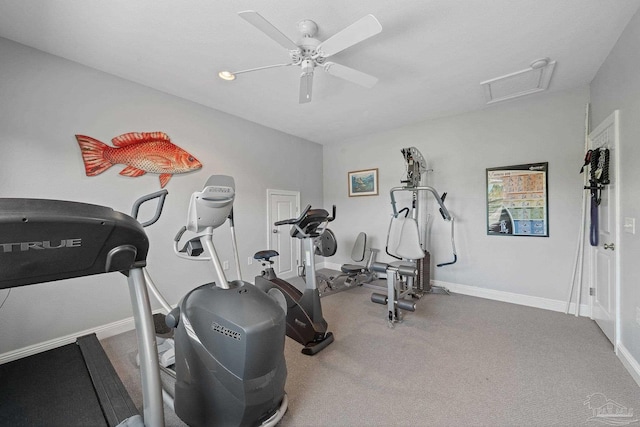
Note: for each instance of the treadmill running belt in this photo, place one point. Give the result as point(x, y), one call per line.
point(52, 388)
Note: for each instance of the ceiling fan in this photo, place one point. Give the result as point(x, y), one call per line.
point(311, 52)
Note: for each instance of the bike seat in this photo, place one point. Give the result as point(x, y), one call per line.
point(265, 255)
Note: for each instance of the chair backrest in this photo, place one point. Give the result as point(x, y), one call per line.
point(404, 238)
point(359, 247)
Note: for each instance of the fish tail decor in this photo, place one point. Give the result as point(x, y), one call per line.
point(93, 155)
point(141, 152)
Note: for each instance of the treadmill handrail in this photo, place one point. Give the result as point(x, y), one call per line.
point(161, 195)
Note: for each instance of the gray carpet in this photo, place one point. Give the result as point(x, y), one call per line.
point(456, 360)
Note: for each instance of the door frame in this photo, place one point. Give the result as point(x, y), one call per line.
point(615, 119)
point(270, 220)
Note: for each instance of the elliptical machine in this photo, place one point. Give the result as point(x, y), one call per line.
point(305, 322)
point(229, 336)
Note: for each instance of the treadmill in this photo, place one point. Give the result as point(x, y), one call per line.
point(72, 385)
point(48, 240)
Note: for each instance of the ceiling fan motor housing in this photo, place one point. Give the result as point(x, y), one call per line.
point(310, 51)
point(308, 28)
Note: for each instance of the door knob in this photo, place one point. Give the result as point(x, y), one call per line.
point(274, 231)
point(610, 246)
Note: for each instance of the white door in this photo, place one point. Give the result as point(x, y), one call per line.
point(604, 260)
point(282, 204)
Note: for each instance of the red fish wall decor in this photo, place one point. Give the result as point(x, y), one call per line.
point(142, 152)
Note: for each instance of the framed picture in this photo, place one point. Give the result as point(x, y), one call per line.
point(517, 200)
point(363, 182)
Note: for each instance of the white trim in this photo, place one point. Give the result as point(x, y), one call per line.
point(618, 187)
point(270, 221)
point(513, 298)
point(102, 332)
point(629, 362)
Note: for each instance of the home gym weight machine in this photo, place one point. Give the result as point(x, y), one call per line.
point(406, 241)
point(305, 322)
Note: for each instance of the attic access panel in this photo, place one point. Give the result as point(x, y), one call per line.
point(534, 79)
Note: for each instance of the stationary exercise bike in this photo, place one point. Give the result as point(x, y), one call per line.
point(305, 322)
point(229, 336)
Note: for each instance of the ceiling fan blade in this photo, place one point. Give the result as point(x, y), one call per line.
point(354, 76)
point(258, 21)
point(306, 84)
point(353, 34)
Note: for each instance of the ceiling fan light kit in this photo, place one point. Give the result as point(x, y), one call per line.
point(227, 75)
point(231, 75)
point(311, 52)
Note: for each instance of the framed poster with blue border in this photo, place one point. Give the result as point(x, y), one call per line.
point(517, 200)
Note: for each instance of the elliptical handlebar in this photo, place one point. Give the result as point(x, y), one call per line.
point(192, 249)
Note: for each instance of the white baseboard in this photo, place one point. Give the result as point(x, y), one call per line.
point(629, 362)
point(102, 332)
point(513, 298)
point(328, 265)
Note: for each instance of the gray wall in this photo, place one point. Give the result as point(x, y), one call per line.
point(541, 128)
point(46, 100)
point(617, 87)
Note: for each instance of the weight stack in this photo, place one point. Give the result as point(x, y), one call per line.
point(423, 281)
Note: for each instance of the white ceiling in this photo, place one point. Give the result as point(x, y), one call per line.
point(430, 56)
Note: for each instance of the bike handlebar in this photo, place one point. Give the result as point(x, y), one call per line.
point(299, 219)
point(294, 220)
